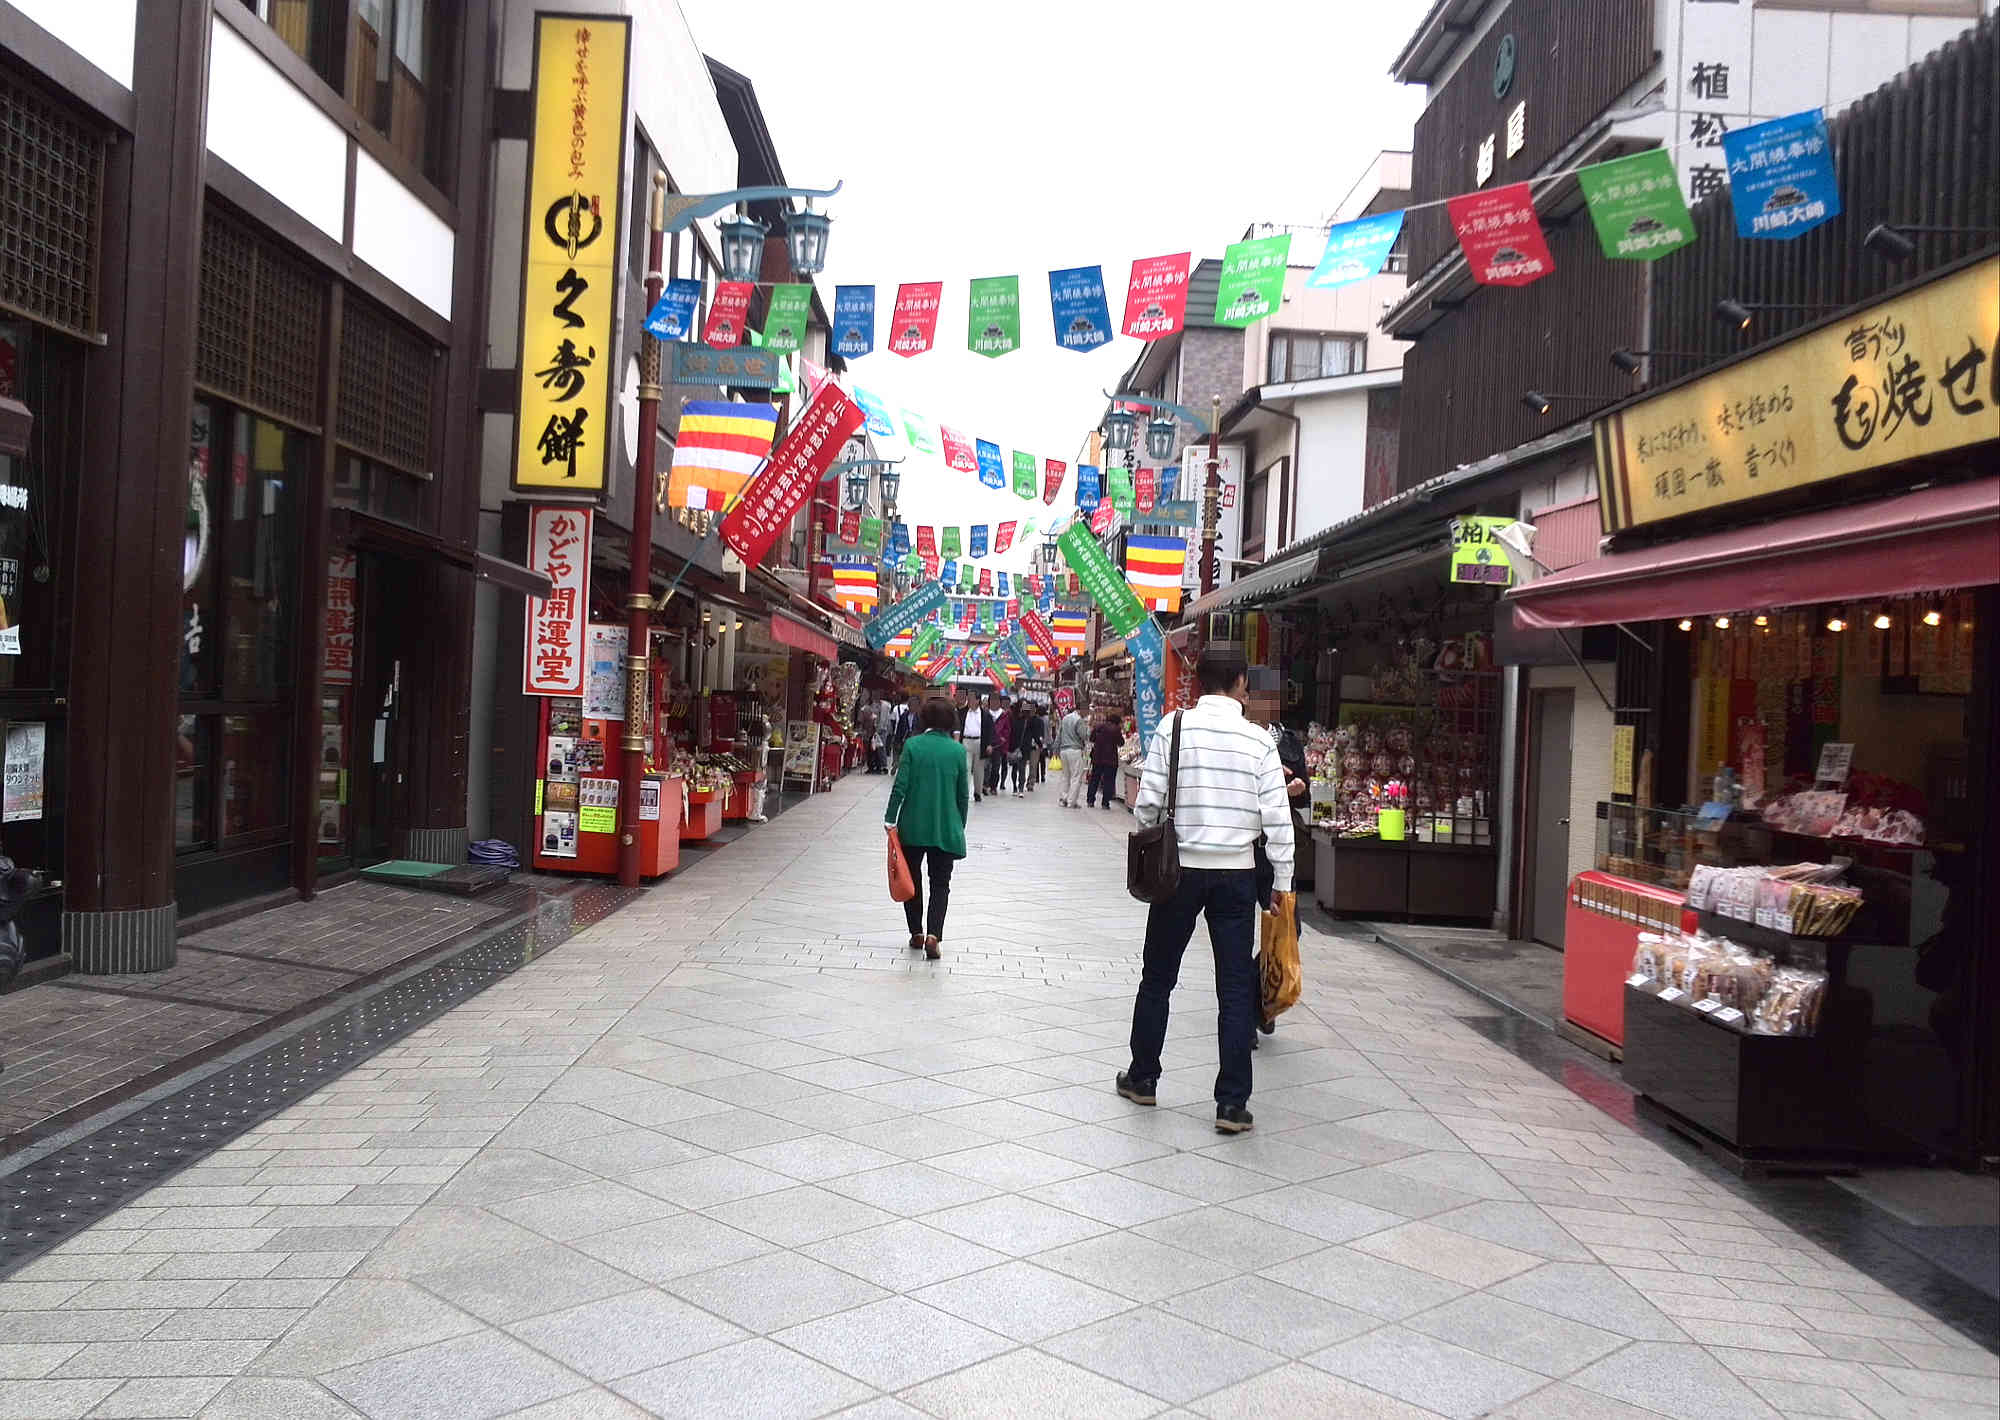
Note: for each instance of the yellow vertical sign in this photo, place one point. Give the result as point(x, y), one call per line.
point(569, 264)
point(1623, 741)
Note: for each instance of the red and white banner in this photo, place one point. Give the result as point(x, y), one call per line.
point(1104, 518)
point(1500, 236)
point(1156, 301)
point(1053, 472)
point(1038, 632)
point(728, 314)
point(958, 452)
point(914, 324)
point(986, 581)
point(1003, 536)
point(558, 548)
point(850, 526)
point(771, 498)
point(1146, 489)
point(926, 541)
point(1064, 700)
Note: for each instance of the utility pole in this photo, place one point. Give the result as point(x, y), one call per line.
point(639, 600)
point(1211, 500)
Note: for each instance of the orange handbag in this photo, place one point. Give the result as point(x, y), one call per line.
point(902, 887)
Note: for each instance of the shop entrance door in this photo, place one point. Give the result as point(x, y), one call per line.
point(1548, 823)
point(364, 724)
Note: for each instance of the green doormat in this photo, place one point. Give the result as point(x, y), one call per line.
point(462, 880)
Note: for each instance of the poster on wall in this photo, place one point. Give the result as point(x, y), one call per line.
point(604, 672)
point(27, 751)
point(558, 548)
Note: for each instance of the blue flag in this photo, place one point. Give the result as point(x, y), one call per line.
point(1082, 317)
point(672, 316)
point(1087, 491)
point(1149, 660)
point(979, 539)
point(899, 541)
point(1170, 482)
point(1355, 251)
point(1001, 582)
point(1781, 177)
point(876, 413)
point(949, 574)
point(992, 472)
point(853, 321)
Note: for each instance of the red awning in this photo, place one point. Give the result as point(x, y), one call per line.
point(787, 632)
point(1919, 542)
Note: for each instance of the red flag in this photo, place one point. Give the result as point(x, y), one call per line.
point(914, 324)
point(1013, 608)
point(850, 526)
point(1003, 536)
point(1038, 632)
point(930, 565)
point(926, 542)
point(1157, 298)
point(1052, 479)
point(986, 581)
point(1075, 584)
point(1500, 236)
point(769, 500)
point(1034, 584)
point(728, 314)
point(1147, 488)
point(958, 453)
point(1105, 518)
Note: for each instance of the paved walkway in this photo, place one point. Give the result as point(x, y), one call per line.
point(732, 1152)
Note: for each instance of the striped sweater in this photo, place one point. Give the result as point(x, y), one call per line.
point(1232, 788)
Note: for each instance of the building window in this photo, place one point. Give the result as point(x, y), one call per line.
point(1256, 504)
point(384, 424)
point(258, 330)
point(52, 175)
point(397, 52)
point(1314, 355)
point(309, 29)
point(1958, 9)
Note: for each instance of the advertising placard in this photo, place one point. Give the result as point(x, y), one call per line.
point(913, 326)
point(558, 548)
point(1781, 177)
point(1356, 250)
point(1252, 284)
point(853, 321)
point(1077, 303)
point(993, 315)
point(771, 498)
point(1501, 236)
point(1476, 554)
point(728, 315)
point(1636, 206)
point(1156, 299)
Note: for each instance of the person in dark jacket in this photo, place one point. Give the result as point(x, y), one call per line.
point(1029, 761)
point(1105, 742)
point(927, 808)
point(1000, 749)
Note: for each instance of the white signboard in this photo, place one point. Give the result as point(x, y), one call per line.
point(604, 671)
point(558, 548)
point(1229, 527)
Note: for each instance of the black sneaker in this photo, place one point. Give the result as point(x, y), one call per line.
point(1138, 1091)
point(1232, 1119)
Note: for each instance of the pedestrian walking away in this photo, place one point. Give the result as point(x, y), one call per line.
point(1073, 749)
point(1230, 789)
point(927, 808)
point(1105, 743)
point(1031, 761)
point(977, 723)
point(1000, 748)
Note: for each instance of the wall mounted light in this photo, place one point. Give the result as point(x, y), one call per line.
point(1631, 362)
point(1540, 401)
point(1934, 616)
point(1722, 623)
point(1881, 622)
point(1686, 625)
point(1836, 624)
point(742, 241)
point(1740, 313)
point(1892, 242)
point(1760, 620)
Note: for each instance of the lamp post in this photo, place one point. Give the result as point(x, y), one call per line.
point(1159, 438)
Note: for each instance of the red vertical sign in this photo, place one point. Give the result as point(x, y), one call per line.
point(1038, 631)
point(914, 324)
point(1500, 236)
point(1156, 300)
point(337, 662)
point(1147, 489)
point(1105, 518)
point(926, 542)
point(728, 315)
point(558, 548)
point(1053, 471)
point(958, 451)
point(1003, 536)
point(770, 499)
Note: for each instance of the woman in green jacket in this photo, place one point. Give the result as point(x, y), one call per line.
point(927, 808)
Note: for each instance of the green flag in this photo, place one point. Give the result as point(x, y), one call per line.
point(1024, 474)
point(785, 322)
point(1253, 280)
point(968, 578)
point(1100, 579)
point(948, 542)
point(918, 429)
point(993, 317)
point(926, 639)
point(1120, 491)
point(913, 563)
point(871, 534)
point(1636, 205)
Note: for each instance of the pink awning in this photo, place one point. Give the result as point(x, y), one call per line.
point(1919, 542)
point(787, 632)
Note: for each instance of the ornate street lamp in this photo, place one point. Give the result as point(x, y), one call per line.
point(892, 484)
point(742, 240)
point(1160, 437)
point(1118, 426)
point(805, 239)
point(857, 488)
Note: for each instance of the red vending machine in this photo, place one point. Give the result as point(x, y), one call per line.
point(579, 760)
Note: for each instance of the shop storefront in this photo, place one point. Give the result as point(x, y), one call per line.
point(1790, 929)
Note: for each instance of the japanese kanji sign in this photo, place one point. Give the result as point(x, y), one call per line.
point(1912, 375)
point(1635, 204)
point(558, 548)
point(771, 498)
point(1781, 178)
point(1024, 474)
point(1253, 279)
point(1476, 554)
point(1003, 536)
point(853, 321)
point(672, 316)
point(1156, 300)
point(992, 472)
point(728, 315)
point(1104, 582)
point(914, 324)
point(1356, 250)
point(337, 661)
point(1076, 302)
point(1500, 236)
point(958, 454)
point(570, 251)
point(993, 315)
point(1146, 489)
point(785, 321)
point(1088, 490)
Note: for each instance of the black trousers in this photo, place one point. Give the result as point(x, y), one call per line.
point(996, 764)
point(1228, 898)
point(913, 911)
point(1103, 778)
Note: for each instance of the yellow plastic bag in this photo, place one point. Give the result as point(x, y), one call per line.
point(1055, 764)
point(1283, 979)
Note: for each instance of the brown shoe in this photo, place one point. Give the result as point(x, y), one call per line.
point(916, 941)
point(931, 948)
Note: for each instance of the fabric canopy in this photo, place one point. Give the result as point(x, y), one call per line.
point(787, 632)
point(1267, 581)
point(1918, 542)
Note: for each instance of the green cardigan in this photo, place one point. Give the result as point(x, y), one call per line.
point(932, 795)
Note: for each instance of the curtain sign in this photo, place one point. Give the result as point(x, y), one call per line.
point(1024, 475)
point(1356, 250)
point(1146, 489)
point(1077, 303)
point(728, 315)
point(958, 454)
point(978, 540)
point(1636, 206)
point(1003, 536)
point(570, 252)
point(993, 316)
point(949, 546)
point(875, 413)
point(1156, 299)
point(558, 548)
point(992, 472)
point(1052, 479)
point(853, 321)
point(1500, 236)
point(1781, 178)
point(913, 325)
point(1105, 518)
point(1088, 490)
point(796, 466)
point(918, 429)
point(785, 321)
point(672, 316)
point(1252, 285)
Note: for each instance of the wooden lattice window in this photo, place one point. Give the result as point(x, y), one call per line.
point(258, 335)
point(51, 196)
point(386, 373)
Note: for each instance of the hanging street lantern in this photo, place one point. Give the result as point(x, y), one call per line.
point(805, 238)
point(742, 240)
point(1160, 437)
point(1118, 427)
point(857, 488)
point(892, 484)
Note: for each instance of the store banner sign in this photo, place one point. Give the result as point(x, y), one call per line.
point(672, 316)
point(913, 325)
point(1781, 176)
point(876, 413)
point(1356, 250)
point(1906, 377)
point(1025, 481)
point(1077, 303)
point(1146, 489)
point(1501, 236)
point(570, 250)
point(1053, 471)
point(993, 316)
point(728, 315)
point(336, 665)
point(745, 367)
point(769, 500)
point(1038, 631)
point(1121, 493)
point(1252, 284)
point(1105, 518)
point(950, 545)
point(1102, 581)
point(1156, 299)
point(559, 549)
point(992, 472)
point(1476, 554)
point(1636, 206)
point(958, 451)
point(918, 430)
point(978, 540)
point(1088, 491)
point(1149, 664)
point(1003, 536)
point(853, 321)
point(785, 320)
point(905, 615)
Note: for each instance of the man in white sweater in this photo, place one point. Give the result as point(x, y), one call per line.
point(1231, 790)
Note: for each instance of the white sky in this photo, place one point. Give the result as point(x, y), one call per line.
point(988, 140)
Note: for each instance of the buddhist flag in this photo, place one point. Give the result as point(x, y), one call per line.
point(1153, 568)
point(854, 583)
point(1070, 628)
point(721, 444)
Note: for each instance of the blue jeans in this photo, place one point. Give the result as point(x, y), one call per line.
point(1228, 897)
